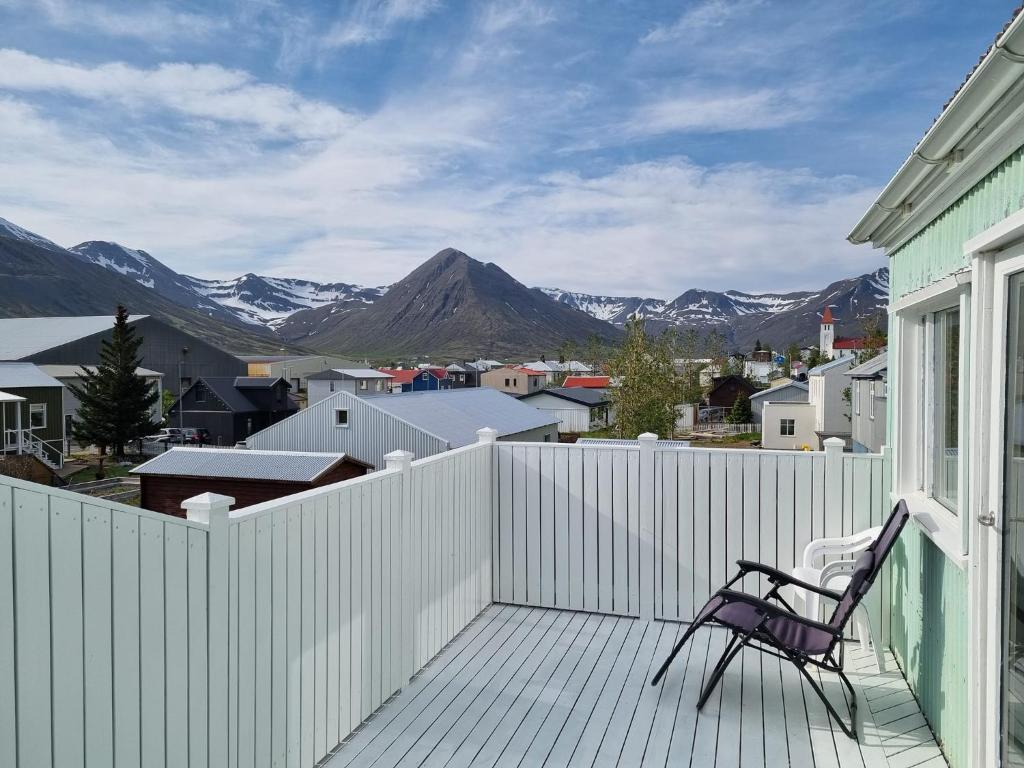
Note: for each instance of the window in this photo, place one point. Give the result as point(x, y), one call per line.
point(363, 384)
point(341, 417)
point(379, 385)
point(855, 389)
point(200, 393)
point(426, 376)
point(37, 415)
point(297, 385)
point(787, 427)
point(945, 412)
point(507, 384)
point(871, 402)
point(184, 384)
point(332, 385)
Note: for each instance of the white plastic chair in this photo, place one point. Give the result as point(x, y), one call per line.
point(834, 576)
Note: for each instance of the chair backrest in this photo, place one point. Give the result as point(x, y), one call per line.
point(869, 565)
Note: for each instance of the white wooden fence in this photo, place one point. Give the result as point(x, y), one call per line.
point(649, 532)
point(263, 636)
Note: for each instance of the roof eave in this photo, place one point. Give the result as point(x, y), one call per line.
point(963, 120)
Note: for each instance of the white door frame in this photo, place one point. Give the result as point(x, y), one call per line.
point(996, 255)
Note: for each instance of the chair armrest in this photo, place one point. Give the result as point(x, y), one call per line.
point(839, 545)
point(771, 611)
point(775, 576)
point(837, 568)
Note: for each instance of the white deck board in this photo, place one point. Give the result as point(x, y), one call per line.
point(540, 687)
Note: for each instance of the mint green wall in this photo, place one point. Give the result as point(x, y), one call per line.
point(928, 632)
point(937, 250)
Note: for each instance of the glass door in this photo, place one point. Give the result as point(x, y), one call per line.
point(1013, 532)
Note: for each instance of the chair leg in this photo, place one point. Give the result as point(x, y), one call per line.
point(675, 651)
point(731, 650)
point(851, 729)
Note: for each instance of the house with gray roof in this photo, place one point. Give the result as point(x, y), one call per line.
point(423, 423)
point(869, 399)
point(790, 391)
point(181, 357)
point(578, 409)
point(358, 381)
point(31, 413)
point(249, 477)
point(230, 408)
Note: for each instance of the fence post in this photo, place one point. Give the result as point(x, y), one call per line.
point(402, 461)
point(489, 437)
point(647, 559)
point(834, 484)
point(212, 509)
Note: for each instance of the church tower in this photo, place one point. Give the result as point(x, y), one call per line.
point(827, 335)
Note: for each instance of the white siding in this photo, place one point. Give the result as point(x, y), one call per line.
point(370, 435)
point(803, 414)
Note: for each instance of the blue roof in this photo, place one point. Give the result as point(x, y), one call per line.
point(456, 414)
point(791, 383)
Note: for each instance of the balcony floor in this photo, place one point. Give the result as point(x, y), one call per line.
point(536, 687)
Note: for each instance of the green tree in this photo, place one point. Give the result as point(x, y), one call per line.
point(688, 365)
point(741, 413)
point(792, 356)
point(757, 345)
point(648, 391)
point(875, 339)
point(167, 399)
point(116, 403)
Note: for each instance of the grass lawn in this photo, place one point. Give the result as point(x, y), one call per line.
point(110, 469)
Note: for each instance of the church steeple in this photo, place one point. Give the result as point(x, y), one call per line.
point(827, 334)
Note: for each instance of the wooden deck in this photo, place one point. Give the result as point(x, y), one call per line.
point(537, 687)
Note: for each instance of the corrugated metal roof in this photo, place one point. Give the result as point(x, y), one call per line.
point(871, 368)
point(817, 370)
point(21, 375)
point(240, 464)
point(455, 415)
point(613, 443)
point(581, 395)
point(349, 373)
point(24, 336)
point(786, 385)
point(60, 371)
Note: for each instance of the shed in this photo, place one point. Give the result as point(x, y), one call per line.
point(726, 389)
point(250, 477)
point(577, 409)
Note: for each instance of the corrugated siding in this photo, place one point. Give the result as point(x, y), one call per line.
point(370, 435)
point(928, 632)
point(937, 250)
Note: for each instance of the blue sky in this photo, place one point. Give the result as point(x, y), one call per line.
point(618, 147)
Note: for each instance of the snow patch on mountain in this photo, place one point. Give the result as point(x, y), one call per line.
point(12, 230)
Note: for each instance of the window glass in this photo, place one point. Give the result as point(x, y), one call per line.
point(787, 427)
point(341, 417)
point(945, 405)
point(37, 415)
point(200, 394)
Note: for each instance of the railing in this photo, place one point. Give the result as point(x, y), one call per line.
point(724, 427)
point(32, 444)
point(265, 635)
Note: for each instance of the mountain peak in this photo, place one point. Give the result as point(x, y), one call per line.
point(13, 231)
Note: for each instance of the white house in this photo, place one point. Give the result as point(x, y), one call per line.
point(825, 392)
point(577, 409)
point(788, 426)
point(553, 369)
point(358, 381)
point(868, 398)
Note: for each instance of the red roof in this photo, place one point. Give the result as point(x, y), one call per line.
point(826, 316)
point(406, 375)
point(849, 344)
point(591, 382)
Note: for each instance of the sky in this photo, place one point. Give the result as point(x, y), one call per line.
point(619, 147)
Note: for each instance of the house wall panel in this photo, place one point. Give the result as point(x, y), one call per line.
point(928, 628)
point(938, 250)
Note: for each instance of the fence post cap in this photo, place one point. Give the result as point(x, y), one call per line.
point(487, 435)
point(398, 458)
point(647, 437)
point(203, 507)
point(834, 444)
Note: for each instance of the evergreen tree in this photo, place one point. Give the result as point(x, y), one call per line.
point(741, 413)
point(757, 345)
point(116, 403)
point(649, 387)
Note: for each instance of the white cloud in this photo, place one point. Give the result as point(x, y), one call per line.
point(371, 21)
point(501, 15)
point(206, 91)
point(150, 22)
point(701, 17)
point(706, 110)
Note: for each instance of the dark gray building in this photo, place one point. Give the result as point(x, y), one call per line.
point(179, 356)
point(232, 408)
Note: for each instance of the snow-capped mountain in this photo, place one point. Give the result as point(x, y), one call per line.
point(14, 232)
point(269, 300)
point(744, 317)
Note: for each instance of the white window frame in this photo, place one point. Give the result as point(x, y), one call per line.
point(337, 424)
point(871, 401)
point(855, 396)
point(913, 412)
point(37, 408)
point(364, 385)
point(782, 426)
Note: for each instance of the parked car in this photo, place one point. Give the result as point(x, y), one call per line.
point(196, 435)
point(167, 435)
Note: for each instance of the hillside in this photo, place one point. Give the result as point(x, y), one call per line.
point(452, 306)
